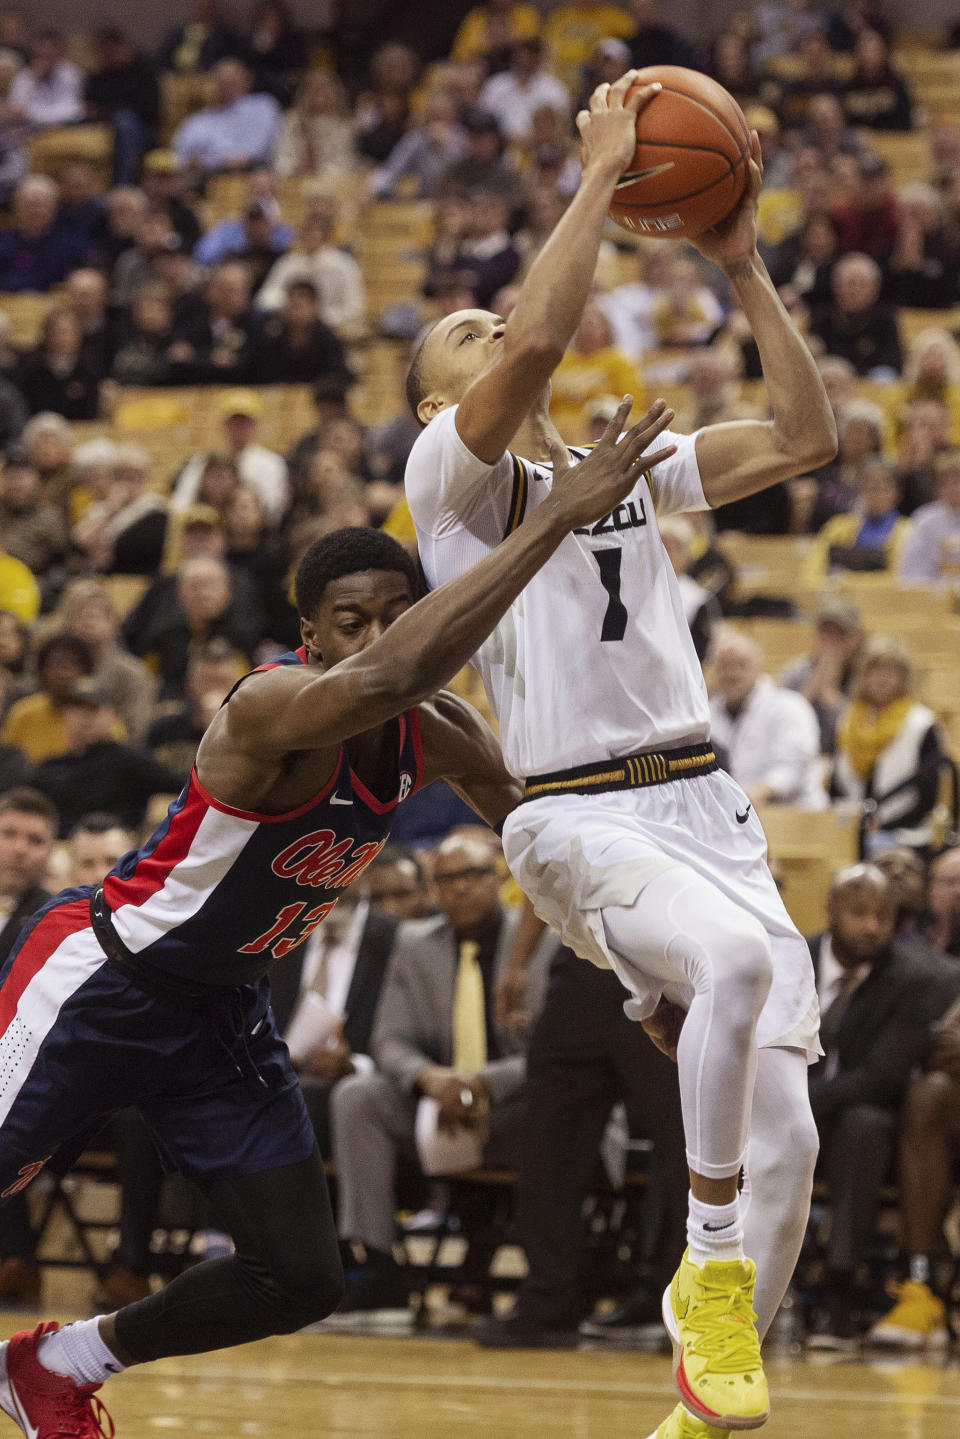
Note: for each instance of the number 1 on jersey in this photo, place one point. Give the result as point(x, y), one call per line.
point(615, 619)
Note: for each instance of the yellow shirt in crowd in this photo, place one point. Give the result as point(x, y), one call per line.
point(578, 379)
point(572, 31)
point(19, 591)
point(522, 23)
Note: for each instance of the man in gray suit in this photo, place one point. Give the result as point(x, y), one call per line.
point(436, 1035)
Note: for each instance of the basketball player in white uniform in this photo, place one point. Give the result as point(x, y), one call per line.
point(630, 841)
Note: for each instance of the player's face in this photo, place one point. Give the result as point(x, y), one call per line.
point(355, 611)
point(460, 347)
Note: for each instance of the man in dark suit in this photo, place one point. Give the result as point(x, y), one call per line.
point(879, 1001)
point(436, 1037)
point(343, 964)
point(28, 828)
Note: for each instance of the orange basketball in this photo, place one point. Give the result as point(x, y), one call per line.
point(690, 165)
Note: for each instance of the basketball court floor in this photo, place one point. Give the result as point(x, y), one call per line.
point(333, 1386)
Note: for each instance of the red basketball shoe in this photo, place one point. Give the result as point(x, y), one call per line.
point(47, 1405)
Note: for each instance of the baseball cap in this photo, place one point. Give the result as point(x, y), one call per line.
point(240, 402)
point(838, 611)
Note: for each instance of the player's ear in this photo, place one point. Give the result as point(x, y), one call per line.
point(429, 408)
point(310, 637)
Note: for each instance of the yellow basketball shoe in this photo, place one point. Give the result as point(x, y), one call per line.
point(918, 1320)
point(708, 1311)
point(682, 1425)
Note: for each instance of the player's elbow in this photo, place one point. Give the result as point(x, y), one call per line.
point(807, 447)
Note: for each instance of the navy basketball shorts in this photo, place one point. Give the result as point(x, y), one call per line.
point(79, 1040)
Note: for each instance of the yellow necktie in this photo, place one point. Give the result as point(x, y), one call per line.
point(469, 1012)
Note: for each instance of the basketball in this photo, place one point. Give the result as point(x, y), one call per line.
point(690, 165)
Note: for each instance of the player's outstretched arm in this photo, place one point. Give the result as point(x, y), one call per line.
point(556, 289)
point(285, 710)
point(742, 457)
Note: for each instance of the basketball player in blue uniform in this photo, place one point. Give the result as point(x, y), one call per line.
point(630, 841)
point(151, 989)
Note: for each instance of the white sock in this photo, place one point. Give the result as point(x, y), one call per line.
point(78, 1352)
point(714, 1231)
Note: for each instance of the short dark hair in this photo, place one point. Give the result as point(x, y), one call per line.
point(415, 387)
point(72, 645)
point(347, 552)
point(23, 800)
point(98, 821)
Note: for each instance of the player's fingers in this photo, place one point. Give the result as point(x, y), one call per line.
point(598, 100)
point(558, 457)
point(583, 120)
point(643, 434)
point(642, 97)
point(619, 88)
point(615, 427)
point(756, 149)
point(658, 456)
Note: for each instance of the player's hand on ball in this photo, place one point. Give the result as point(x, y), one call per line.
point(593, 488)
point(733, 242)
point(608, 129)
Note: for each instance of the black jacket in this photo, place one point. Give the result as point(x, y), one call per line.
point(885, 1031)
point(376, 942)
point(108, 776)
point(30, 902)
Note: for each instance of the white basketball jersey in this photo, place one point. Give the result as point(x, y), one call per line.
point(594, 660)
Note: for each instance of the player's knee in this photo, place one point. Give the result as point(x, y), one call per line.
point(302, 1291)
point(744, 969)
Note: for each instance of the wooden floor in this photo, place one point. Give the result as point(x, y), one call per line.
point(318, 1386)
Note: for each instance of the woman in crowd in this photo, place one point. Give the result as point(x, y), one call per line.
point(142, 357)
point(592, 367)
point(870, 537)
point(277, 50)
point(875, 96)
point(885, 739)
point(251, 547)
point(318, 134)
point(58, 374)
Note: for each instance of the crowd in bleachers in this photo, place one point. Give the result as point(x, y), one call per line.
point(214, 261)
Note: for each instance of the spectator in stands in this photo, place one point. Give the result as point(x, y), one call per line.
point(173, 738)
point(875, 95)
point(932, 367)
point(382, 115)
point(685, 312)
point(929, 1131)
point(483, 167)
point(714, 393)
point(437, 1037)
point(37, 724)
point(925, 426)
point(325, 996)
point(90, 476)
point(730, 64)
point(932, 553)
point(49, 443)
point(126, 213)
point(860, 427)
point(33, 530)
point(19, 591)
point(28, 828)
point(201, 42)
point(857, 326)
point(629, 308)
point(888, 741)
point(252, 549)
point(142, 358)
point(335, 273)
point(88, 611)
point(235, 131)
point(878, 1002)
point(869, 219)
point(48, 91)
point(944, 140)
point(35, 254)
point(204, 611)
point(213, 335)
point(828, 135)
point(15, 30)
point(780, 25)
point(277, 50)
point(699, 606)
point(943, 902)
point(591, 367)
point(816, 74)
point(653, 42)
point(82, 209)
point(906, 876)
point(489, 30)
point(123, 91)
point(770, 735)
point(162, 181)
point(424, 152)
point(550, 159)
point(317, 133)
point(514, 94)
point(804, 260)
point(849, 21)
point(96, 768)
point(295, 346)
point(571, 31)
point(59, 375)
point(125, 533)
point(13, 412)
point(825, 676)
point(396, 883)
point(487, 258)
point(85, 295)
point(925, 264)
point(870, 537)
point(240, 412)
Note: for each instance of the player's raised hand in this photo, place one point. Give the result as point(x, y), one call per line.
point(733, 242)
point(608, 128)
point(588, 491)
